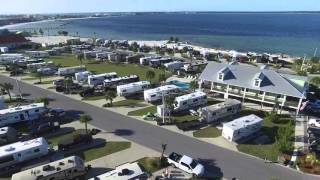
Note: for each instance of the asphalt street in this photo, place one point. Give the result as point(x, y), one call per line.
point(220, 162)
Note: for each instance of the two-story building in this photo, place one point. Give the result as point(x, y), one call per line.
point(257, 84)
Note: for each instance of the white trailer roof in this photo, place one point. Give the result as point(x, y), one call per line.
point(22, 108)
point(225, 104)
point(73, 67)
point(120, 78)
point(243, 122)
point(134, 169)
point(102, 75)
point(161, 89)
point(22, 146)
point(53, 168)
point(190, 96)
point(130, 85)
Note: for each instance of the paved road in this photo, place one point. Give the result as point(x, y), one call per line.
point(221, 162)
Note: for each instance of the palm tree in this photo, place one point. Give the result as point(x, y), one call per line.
point(7, 87)
point(80, 58)
point(44, 100)
point(168, 103)
point(39, 75)
point(193, 85)
point(110, 95)
point(68, 82)
point(150, 75)
point(84, 118)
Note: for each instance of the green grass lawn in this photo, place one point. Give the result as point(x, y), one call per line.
point(270, 150)
point(53, 141)
point(150, 164)
point(141, 112)
point(121, 69)
point(208, 132)
point(46, 82)
point(212, 101)
point(93, 98)
point(108, 148)
point(127, 102)
point(181, 118)
point(30, 78)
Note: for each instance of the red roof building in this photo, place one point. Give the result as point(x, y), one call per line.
point(12, 40)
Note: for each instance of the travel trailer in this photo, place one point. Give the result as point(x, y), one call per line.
point(37, 54)
point(94, 80)
point(21, 113)
point(7, 135)
point(120, 81)
point(68, 168)
point(152, 95)
point(82, 76)
point(102, 55)
point(70, 70)
point(190, 101)
point(123, 172)
point(13, 154)
point(34, 66)
point(241, 127)
point(10, 58)
point(132, 88)
point(214, 112)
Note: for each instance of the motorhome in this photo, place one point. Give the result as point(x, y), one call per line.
point(34, 66)
point(152, 95)
point(82, 76)
point(94, 80)
point(134, 58)
point(67, 168)
point(8, 135)
point(175, 65)
point(21, 113)
point(190, 101)
point(132, 88)
point(46, 71)
point(13, 154)
point(123, 172)
point(120, 81)
point(241, 127)
point(70, 70)
point(37, 54)
point(224, 109)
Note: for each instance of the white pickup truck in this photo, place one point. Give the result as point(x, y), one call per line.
point(186, 164)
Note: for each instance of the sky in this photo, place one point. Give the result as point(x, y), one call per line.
point(72, 6)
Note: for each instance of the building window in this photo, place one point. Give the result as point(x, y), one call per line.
point(257, 82)
point(220, 76)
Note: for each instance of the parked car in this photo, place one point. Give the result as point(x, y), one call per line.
point(59, 82)
point(311, 105)
point(74, 141)
point(46, 127)
point(189, 125)
point(314, 123)
point(186, 164)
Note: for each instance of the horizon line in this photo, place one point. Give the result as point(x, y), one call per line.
point(100, 12)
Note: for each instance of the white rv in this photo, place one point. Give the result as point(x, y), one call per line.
point(37, 54)
point(241, 127)
point(159, 62)
point(19, 152)
point(120, 80)
point(102, 55)
point(123, 172)
point(68, 168)
point(82, 76)
point(70, 70)
point(10, 58)
point(21, 113)
point(94, 80)
point(132, 88)
point(220, 110)
point(34, 66)
point(190, 101)
point(156, 94)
